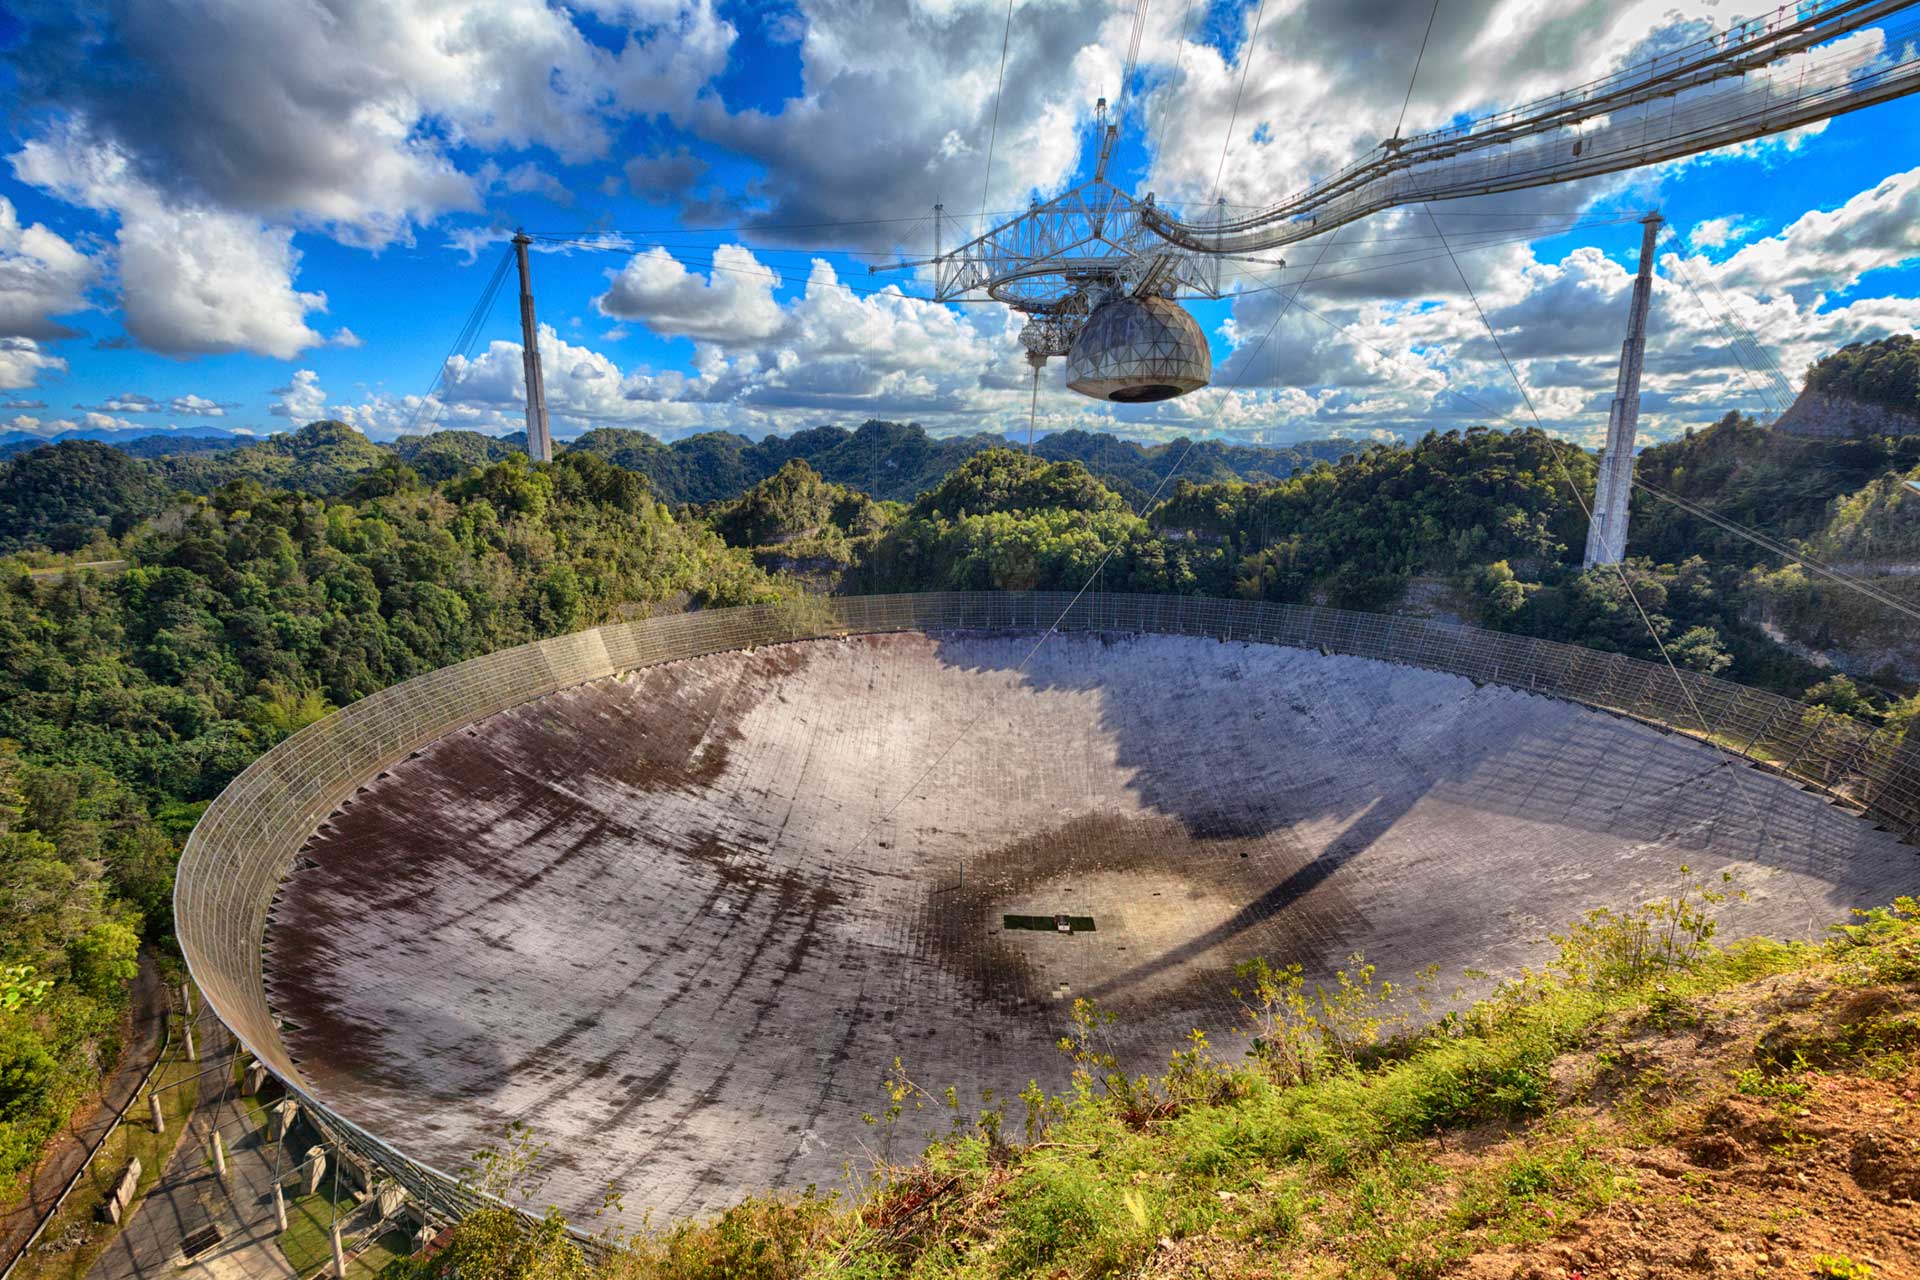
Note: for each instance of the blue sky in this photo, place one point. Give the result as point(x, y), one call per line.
point(245, 215)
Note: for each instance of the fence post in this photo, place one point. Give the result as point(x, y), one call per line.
point(159, 1117)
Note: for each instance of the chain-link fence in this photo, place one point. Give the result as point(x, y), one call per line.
point(248, 838)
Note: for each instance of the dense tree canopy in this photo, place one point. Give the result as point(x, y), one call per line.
point(1010, 521)
point(1360, 530)
point(795, 504)
point(442, 455)
point(1784, 485)
point(177, 672)
point(60, 495)
point(1886, 372)
point(320, 458)
point(889, 461)
point(81, 871)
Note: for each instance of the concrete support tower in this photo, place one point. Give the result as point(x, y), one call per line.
point(539, 443)
point(1607, 532)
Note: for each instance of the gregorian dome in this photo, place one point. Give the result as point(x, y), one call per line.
point(1134, 350)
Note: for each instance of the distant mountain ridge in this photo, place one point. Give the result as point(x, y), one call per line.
point(138, 444)
point(889, 461)
point(114, 435)
point(895, 461)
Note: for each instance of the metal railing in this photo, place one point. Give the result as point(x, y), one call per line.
point(99, 1145)
point(248, 838)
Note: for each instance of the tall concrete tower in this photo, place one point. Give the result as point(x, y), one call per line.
point(539, 443)
point(1607, 533)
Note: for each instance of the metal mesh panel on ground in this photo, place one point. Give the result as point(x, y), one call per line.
point(245, 844)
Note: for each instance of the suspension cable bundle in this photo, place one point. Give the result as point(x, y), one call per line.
point(469, 334)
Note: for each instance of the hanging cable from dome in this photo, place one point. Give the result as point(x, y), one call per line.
point(1033, 409)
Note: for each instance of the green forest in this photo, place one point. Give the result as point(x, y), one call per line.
point(1886, 372)
point(889, 461)
point(132, 698)
point(251, 590)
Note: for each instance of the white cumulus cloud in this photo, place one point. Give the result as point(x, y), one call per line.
point(732, 303)
point(41, 276)
point(23, 362)
point(193, 279)
point(302, 399)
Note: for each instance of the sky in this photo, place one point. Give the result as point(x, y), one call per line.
point(249, 214)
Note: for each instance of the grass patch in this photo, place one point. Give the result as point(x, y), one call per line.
point(1534, 1192)
point(308, 1246)
point(77, 1226)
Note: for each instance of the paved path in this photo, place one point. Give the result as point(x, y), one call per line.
point(71, 1146)
point(188, 1196)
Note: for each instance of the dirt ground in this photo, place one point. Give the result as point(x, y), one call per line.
point(141, 1030)
point(1779, 1135)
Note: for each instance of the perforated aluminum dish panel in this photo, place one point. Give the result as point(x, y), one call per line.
point(247, 842)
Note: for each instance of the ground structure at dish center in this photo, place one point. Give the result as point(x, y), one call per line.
point(681, 921)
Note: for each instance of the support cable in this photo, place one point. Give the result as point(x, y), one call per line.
point(700, 255)
point(1246, 64)
point(469, 332)
point(1753, 339)
point(1724, 102)
point(1759, 379)
point(1838, 576)
point(1706, 730)
point(993, 131)
point(1754, 363)
point(1578, 497)
point(1133, 57)
point(1415, 77)
point(1179, 61)
point(1781, 549)
point(1730, 321)
point(1033, 409)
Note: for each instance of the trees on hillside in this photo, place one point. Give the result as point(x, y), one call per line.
point(1355, 533)
point(62, 496)
point(77, 859)
point(1785, 485)
point(1885, 372)
point(325, 457)
point(1008, 521)
point(794, 504)
point(176, 673)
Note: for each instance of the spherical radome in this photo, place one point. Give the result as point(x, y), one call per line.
point(1136, 350)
